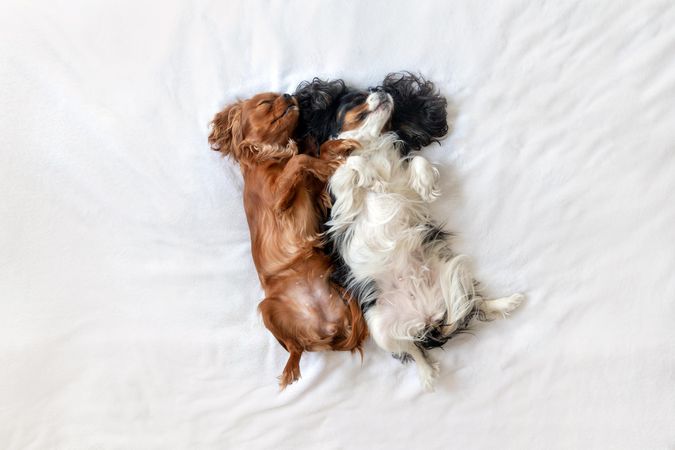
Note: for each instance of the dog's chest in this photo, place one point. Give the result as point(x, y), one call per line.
point(387, 165)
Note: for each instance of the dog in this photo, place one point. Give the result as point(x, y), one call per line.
point(302, 308)
point(415, 292)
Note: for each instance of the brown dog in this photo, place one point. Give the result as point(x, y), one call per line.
point(285, 202)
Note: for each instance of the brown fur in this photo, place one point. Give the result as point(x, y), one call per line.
point(302, 308)
point(355, 117)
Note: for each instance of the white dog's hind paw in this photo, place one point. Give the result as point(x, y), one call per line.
point(428, 372)
point(424, 179)
point(501, 306)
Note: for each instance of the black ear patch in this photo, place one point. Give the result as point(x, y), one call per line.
point(318, 101)
point(420, 112)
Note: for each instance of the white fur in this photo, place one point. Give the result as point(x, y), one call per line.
point(379, 221)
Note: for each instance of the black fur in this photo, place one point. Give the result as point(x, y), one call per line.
point(435, 338)
point(405, 358)
point(420, 111)
point(319, 101)
point(435, 233)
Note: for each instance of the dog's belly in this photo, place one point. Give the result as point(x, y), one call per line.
point(387, 246)
point(311, 303)
point(410, 297)
point(386, 235)
point(313, 297)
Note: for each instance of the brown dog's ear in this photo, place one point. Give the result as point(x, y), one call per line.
point(226, 133)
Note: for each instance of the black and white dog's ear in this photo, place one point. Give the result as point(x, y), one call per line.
point(318, 100)
point(420, 114)
point(319, 94)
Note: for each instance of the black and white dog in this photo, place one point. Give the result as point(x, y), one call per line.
point(414, 291)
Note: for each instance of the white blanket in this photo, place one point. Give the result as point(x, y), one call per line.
point(127, 292)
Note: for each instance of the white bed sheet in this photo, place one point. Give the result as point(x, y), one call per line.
point(127, 291)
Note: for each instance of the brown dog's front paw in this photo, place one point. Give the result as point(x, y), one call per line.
point(338, 149)
point(347, 146)
point(325, 171)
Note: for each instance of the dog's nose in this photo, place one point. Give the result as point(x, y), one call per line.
point(287, 97)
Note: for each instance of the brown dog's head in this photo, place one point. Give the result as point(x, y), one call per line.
point(257, 128)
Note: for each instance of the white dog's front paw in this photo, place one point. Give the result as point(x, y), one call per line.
point(377, 185)
point(369, 180)
point(424, 179)
point(363, 175)
point(501, 306)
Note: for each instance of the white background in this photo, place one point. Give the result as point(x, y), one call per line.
point(127, 291)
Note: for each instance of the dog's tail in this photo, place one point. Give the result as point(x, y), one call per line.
point(353, 339)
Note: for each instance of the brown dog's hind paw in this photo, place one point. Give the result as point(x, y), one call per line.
point(291, 372)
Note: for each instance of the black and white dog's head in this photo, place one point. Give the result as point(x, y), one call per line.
point(404, 103)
